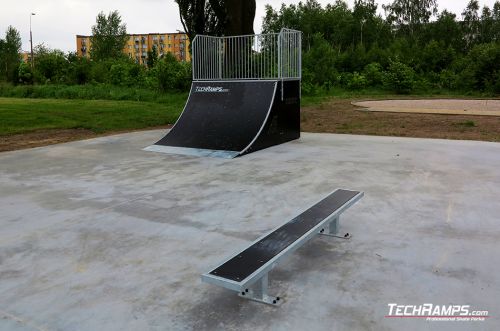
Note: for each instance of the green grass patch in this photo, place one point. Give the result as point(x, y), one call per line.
point(86, 92)
point(467, 124)
point(28, 115)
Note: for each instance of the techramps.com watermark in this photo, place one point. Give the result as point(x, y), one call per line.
point(435, 313)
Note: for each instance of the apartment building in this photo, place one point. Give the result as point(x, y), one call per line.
point(26, 56)
point(138, 45)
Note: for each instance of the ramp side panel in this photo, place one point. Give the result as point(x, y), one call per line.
point(222, 116)
point(283, 124)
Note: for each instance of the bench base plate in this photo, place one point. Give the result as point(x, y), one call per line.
point(273, 301)
point(258, 292)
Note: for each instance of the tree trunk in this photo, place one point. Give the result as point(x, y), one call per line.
point(240, 17)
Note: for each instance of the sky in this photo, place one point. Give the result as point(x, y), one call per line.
point(57, 22)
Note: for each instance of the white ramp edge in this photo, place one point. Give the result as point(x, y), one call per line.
point(192, 151)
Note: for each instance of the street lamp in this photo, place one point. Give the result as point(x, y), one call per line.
point(31, 41)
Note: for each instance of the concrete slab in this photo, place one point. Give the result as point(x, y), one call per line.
point(101, 235)
point(434, 106)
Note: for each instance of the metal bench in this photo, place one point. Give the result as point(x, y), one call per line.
point(247, 271)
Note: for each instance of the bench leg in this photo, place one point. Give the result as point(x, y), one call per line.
point(258, 292)
point(332, 230)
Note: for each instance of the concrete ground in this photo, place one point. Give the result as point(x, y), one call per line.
point(435, 106)
point(100, 235)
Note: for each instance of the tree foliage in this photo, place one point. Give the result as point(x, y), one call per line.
point(109, 37)
point(351, 47)
point(409, 15)
point(471, 23)
point(10, 49)
point(216, 17)
point(152, 57)
point(354, 47)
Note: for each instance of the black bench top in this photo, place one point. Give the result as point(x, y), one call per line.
point(248, 261)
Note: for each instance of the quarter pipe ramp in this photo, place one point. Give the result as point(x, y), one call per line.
point(230, 118)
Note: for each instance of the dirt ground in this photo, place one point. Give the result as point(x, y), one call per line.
point(340, 116)
point(335, 116)
point(49, 137)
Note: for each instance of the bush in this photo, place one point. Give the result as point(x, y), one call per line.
point(400, 78)
point(79, 71)
point(435, 57)
point(448, 79)
point(88, 92)
point(356, 82)
point(170, 74)
point(374, 74)
point(99, 71)
point(50, 66)
point(319, 62)
point(25, 74)
point(126, 74)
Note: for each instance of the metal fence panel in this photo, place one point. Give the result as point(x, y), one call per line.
point(250, 57)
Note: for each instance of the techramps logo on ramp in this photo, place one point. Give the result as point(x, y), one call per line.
point(211, 89)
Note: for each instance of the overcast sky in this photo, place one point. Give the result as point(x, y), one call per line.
point(58, 21)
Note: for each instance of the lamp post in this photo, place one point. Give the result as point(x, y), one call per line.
point(31, 41)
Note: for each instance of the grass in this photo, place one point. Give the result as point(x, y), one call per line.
point(20, 115)
point(469, 124)
point(111, 92)
point(100, 108)
point(85, 92)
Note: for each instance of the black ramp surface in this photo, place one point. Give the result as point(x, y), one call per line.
point(222, 115)
point(244, 264)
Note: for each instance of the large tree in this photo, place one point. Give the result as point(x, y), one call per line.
point(410, 15)
point(471, 23)
point(447, 30)
point(496, 21)
point(217, 17)
point(10, 48)
point(109, 37)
